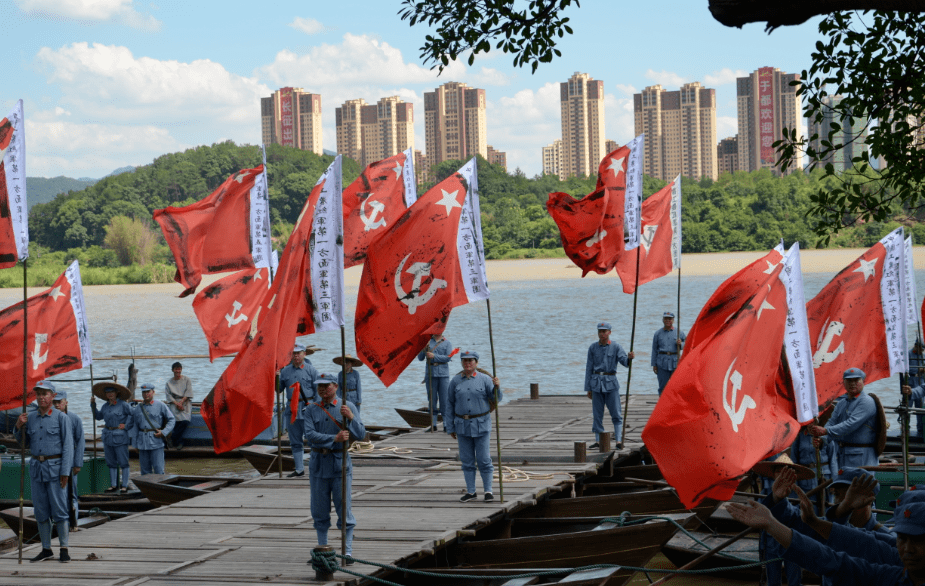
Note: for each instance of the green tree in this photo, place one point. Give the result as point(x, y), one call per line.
point(132, 240)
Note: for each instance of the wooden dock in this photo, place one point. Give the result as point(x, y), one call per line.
point(405, 499)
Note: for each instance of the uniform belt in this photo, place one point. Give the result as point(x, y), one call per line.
point(113, 428)
point(669, 353)
point(154, 430)
point(324, 451)
point(850, 445)
point(607, 373)
point(43, 458)
point(476, 416)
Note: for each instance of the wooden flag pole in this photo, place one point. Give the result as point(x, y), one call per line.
point(25, 392)
point(93, 469)
point(629, 369)
point(343, 460)
point(494, 373)
point(905, 431)
point(279, 425)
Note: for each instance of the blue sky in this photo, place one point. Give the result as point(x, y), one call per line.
point(109, 83)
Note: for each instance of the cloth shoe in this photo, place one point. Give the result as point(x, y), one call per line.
point(45, 554)
point(64, 557)
point(489, 497)
point(594, 446)
point(295, 474)
point(468, 497)
point(619, 445)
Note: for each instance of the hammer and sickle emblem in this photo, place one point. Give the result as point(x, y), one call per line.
point(371, 222)
point(416, 298)
point(38, 358)
point(596, 238)
point(736, 415)
point(823, 354)
point(648, 235)
point(235, 319)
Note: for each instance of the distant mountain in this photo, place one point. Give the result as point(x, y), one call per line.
point(329, 153)
point(43, 189)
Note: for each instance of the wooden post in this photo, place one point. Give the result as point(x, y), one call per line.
point(534, 391)
point(323, 576)
point(605, 442)
point(581, 451)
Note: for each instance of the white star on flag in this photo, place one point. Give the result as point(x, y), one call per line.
point(770, 267)
point(867, 268)
point(764, 305)
point(616, 165)
point(397, 170)
point(55, 293)
point(449, 200)
point(241, 176)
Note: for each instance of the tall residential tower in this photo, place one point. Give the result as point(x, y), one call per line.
point(454, 123)
point(292, 117)
point(369, 133)
point(581, 101)
point(766, 103)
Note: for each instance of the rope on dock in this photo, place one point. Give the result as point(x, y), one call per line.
point(326, 562)
point(364, 447)
point(517, 475)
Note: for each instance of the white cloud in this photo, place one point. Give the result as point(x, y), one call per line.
point(667, 79)
point(618, 119)
point(723, 76)
point(309, 26)
point(522, 124)
point(726, 126)
point(626, 89)
point(118, 11)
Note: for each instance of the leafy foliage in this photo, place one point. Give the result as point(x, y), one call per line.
point(132, 240)
point(875, 62)
point(473, 25)
point(43, 189)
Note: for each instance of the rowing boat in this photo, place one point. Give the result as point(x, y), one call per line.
point(30, 528)
point(167, 489)
point(417, 418)
point(501, 577)
point(682, 549)
point(263, 458)
point(643, 502)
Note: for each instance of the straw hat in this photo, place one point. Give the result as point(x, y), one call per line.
point(771, 469)
point(99, 390)
point(353, 360)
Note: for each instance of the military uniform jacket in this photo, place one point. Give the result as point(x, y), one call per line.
point(160, 416)
point(666, 341)
point(841, 567)
point(802, 452)
point(48, 435)
point(470, 395)
point(441, 362)
point(305, 376)
point(80, 442)
point(604, 359)
point(854, 421)
point(112, 416)
point(353, 388)
point(320, 431)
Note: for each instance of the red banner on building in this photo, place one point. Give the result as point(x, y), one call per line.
point(287, 117)
point(766, 121)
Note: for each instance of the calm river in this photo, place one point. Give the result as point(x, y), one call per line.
point(543, 316)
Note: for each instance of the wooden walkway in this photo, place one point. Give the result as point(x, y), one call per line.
point(405, 499)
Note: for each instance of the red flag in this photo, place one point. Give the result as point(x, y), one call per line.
point(730, 297)
point(430, 261)
point(296, 393)
point(226, 307)
point(660, 239)
point(14, 212)
point(215, 234)
point(58, 339)
point(723, 410)
point(240, 405)
point(378, 197)
point(854, 322)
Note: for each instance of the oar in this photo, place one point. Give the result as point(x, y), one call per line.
point(708, 554)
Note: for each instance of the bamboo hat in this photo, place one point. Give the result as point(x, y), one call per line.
point(351, 359)
point(771, 469)
point(99, 390)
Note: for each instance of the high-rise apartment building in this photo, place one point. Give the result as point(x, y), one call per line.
point(610, 146)
point(454, 123)
point(552, 156)
point(852, 134)
point(581, 101)
point(727, 155)
point(497, 157)
point(422, 169)
point(766, 103)
point(680, 129)
point(292, 117)
point(369, 133)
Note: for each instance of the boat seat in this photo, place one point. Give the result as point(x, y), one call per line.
point(589, 576)
point(211, 485)
point(522, 581)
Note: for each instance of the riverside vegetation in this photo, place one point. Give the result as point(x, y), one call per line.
point(108, 226)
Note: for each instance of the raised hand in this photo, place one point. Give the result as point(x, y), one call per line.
point(751, 513)
point(861, 492)
point(783, 484)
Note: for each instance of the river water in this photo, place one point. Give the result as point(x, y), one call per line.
point(544, 317)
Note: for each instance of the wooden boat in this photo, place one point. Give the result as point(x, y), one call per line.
point(643, 502)
point(110, 503)
point(167, 489)
point(417, 418)
point(681, 549)
point(30, 528)
point(502, 577)
point(263, 458)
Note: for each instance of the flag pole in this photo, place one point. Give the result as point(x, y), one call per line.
point(429, 387)
point(678, 322)
point(905, 431)
point(629, 369)
point(279, 424)
point(494, 374)
point(343, 460)
point(25, 384)
point(93, 469)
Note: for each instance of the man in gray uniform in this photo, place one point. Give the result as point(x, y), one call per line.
point(153, 422)
point(601, 383)
point(853, 424)
point(666, 346)
point(47, 433)
point(77, 431)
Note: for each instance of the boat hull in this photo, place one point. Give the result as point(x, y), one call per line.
point(167, 489)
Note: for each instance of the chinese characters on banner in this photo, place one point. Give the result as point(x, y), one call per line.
point(892, 294)
point(287, 116)
point(766, 114)
point(796, 338)
point(676, 222)
point(14, 230)
point(260, 219)
point(72, 274)
point(469, 238)
point(326, 248)
point(632, 216)
point(911, 317)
